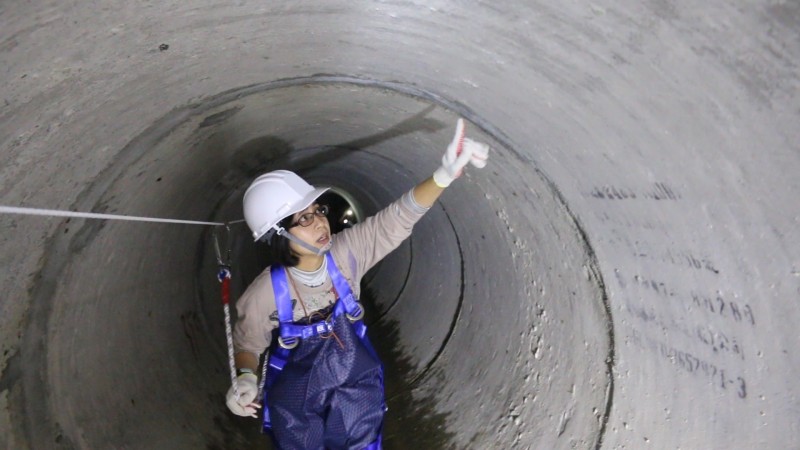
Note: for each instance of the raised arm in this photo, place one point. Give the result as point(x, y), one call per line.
point(373, 239)
point(461, 151)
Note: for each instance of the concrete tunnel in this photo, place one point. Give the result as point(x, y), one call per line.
point(625, 274)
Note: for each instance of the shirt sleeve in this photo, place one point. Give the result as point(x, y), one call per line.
point(253, 329)
point(374, 238)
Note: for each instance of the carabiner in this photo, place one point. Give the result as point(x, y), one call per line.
point(220, 261)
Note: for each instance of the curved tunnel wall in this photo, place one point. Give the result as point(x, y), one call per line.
point(645, 155)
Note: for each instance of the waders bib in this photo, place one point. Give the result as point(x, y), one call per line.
point(324, 387)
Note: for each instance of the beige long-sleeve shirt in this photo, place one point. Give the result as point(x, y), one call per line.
point(355, 251)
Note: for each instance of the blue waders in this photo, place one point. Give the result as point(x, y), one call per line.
point(324, 387)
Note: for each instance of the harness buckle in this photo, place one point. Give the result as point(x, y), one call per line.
point(324, 329)
point(288, 343)
point(358, 315)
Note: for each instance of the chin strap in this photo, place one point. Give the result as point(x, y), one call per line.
point(318, 251)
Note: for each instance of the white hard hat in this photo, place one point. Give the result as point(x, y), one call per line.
point(274, 196)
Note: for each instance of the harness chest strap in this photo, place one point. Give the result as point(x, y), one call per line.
point(289, 331)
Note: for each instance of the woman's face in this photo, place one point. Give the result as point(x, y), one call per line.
point(318, 233)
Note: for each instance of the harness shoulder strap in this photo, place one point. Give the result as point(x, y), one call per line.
point(342, 287)
point(283, 299)
point(351, 305)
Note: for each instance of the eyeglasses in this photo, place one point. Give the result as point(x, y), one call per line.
point(308, 218)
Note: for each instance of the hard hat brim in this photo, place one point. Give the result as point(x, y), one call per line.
point(307, 201)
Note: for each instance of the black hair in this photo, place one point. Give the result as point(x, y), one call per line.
point(278, 249)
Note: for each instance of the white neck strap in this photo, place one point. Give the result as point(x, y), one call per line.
point(317, 251)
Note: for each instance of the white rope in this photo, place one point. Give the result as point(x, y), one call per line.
point(229, 339)
point(84, 215)
point(224, 276)
point(263, 377)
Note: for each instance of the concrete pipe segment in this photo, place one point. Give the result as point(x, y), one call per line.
point(625, 274)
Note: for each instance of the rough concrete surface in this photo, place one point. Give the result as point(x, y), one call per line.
point(624, 274)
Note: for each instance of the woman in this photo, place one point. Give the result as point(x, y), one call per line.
point(325, 386)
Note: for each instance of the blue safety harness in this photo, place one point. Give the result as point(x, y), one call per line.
point(290, 334)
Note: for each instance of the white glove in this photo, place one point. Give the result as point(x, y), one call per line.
point(480, 153)
point(244, 405)
point(460, 152)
